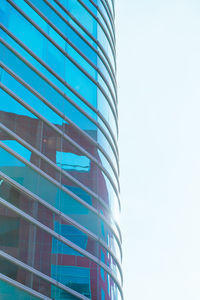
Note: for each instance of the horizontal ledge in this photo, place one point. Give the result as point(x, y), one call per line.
point(41, 275)
point(22, 287)
point(114, 148)
point(61, 239)
point(87, 189)
point(67, 191)
point(34, 197)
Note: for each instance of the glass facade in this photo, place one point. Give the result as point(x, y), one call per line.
point(59, 187)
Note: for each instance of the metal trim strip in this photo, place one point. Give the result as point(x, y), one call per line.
point(106, 64)
point(67, 191)
point(69, 57)
point(53, 165)
point(41, 275)
point(111, 26)
point(67, 138)
point(62, 239)
point(87, 32)
point(110, 40)
point(34, 197)
point(59, 91)
point(75, 48)
point(23, 287)
point(44, 100)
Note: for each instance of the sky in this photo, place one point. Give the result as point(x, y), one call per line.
point(158, 53)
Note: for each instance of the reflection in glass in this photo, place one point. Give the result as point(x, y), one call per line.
point(58, 152)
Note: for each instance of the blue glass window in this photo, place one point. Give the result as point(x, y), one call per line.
point(77, 278)
point(71, 161)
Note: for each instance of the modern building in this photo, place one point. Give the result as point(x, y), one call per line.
point(59, 187)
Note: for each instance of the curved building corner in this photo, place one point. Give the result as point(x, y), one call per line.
point(59, 185)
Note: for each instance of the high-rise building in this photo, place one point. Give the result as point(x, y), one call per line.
point(59, 187)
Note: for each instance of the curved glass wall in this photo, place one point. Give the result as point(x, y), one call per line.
point(59, 187)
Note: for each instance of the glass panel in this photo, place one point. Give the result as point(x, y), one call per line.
point(58, 198)
point(66, 145)
point(84, 17)
point(51, 256)
point(6, 290)
point(57, 61)
point(50, 141)
point(49, 115)
point(36, 283)
point(9, 235)
point(105, 14)
point(50, 93)
point(76, 9)
point(65, 27)
point(77, 278)
point(66, 167)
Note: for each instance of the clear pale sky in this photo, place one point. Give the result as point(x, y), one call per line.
point(159, 94)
